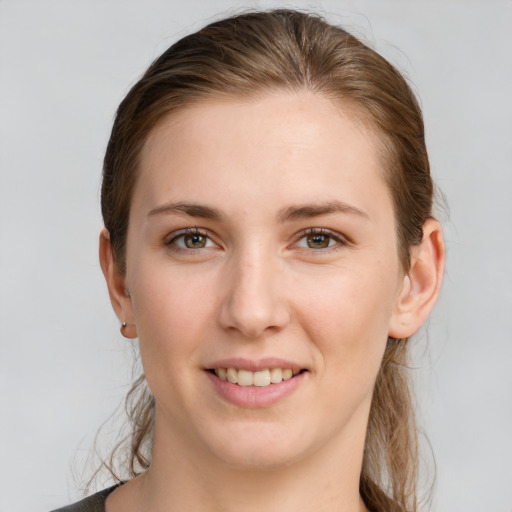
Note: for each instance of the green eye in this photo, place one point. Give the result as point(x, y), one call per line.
point(195, 241)
point(318, 241)
point(190, 239)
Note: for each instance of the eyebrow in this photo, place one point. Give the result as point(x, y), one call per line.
point(190, 209)
point(315, 210)
point(288, 214)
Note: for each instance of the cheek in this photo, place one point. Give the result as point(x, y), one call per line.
point(171, 312)
point(348, 318)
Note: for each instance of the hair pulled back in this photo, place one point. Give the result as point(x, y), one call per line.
point(244, 56)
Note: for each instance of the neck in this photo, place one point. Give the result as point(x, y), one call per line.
point(327, 479)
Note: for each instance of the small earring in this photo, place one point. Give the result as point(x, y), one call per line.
point(123, 325)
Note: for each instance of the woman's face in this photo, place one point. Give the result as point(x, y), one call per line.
point(262, 238)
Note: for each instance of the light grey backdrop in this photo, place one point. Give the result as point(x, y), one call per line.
point(64, 67)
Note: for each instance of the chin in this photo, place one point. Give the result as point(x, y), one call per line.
point(258, 460)
point(258, 447)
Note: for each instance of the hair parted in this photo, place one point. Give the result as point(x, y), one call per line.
point(247, 55)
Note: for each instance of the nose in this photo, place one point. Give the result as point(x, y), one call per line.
point(254, 301)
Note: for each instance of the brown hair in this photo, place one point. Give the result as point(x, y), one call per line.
point(275, 50)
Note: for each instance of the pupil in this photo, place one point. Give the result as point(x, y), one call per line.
point(195, 241)
point(318, 241)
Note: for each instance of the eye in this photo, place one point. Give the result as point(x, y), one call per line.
point(319, 239)
point(190, 239)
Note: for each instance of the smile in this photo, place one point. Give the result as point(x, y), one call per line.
point(261, 388)
point(260, 378)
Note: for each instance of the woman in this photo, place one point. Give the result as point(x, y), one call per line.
point(269, 240)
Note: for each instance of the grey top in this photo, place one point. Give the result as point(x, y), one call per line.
point(94, 503)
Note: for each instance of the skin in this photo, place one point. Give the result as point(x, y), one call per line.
point(263, 286)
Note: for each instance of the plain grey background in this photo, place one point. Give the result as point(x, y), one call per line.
point(64, 67)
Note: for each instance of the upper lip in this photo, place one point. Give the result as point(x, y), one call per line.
point(252, 365)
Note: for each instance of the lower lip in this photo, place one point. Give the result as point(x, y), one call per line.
point(253, 397)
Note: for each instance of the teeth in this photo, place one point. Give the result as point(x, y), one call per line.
point(260, 378)
point(276, 375)
point(244, 378)
point(232, 375)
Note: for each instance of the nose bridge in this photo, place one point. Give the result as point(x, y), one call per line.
point(254, 301)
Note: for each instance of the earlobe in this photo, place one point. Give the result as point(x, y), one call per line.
point(119, 297)
point(422, 283)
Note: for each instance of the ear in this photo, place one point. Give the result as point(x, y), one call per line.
point(422, 283)
point(119, 296)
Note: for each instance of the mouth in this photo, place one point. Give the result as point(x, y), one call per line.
point(260, 378)
point(256, 384)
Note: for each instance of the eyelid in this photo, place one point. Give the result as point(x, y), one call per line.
point(335, 235)
point(340, 239)
point(169, 239)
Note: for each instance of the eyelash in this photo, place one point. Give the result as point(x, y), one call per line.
point(310, 232)
point(171, 241)
point(339, 240)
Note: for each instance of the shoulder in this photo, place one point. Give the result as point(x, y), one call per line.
point(93, 503)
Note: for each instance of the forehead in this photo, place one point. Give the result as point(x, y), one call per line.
point(297, 146)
